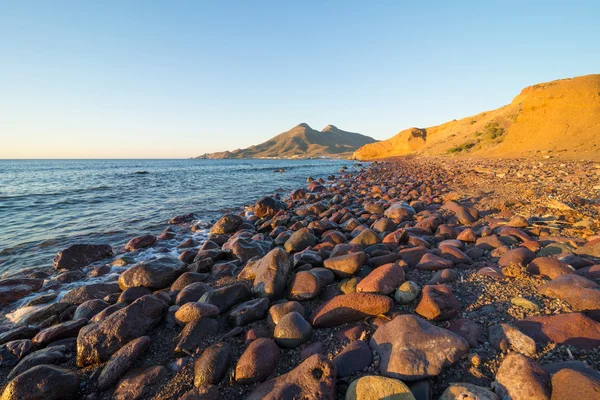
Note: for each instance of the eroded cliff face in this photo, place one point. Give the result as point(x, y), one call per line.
point(560, 118)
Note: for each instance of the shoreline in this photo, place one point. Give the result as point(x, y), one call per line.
point(455, 204)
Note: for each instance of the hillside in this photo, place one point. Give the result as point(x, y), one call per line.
point(302, 142)
point(559, 118)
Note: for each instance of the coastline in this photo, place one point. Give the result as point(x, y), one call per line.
point(451, 209)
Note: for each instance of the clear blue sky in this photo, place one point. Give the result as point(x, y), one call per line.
point(179, 78)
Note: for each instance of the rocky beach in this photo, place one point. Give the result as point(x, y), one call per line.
point(412, 278)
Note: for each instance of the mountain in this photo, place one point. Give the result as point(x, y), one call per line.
point(559, 118)
point(302, 142)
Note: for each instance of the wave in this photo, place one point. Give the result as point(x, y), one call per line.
point(57, 194)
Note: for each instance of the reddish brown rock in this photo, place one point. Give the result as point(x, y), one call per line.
point(121, 361)
point(13, 289)
point(353, 358)
point(257, 362)
point(520, 256)
point(438, 303)
point(431, 262)
point(569, 384)
point(568, 329)
point(382, 280)
point(347, 265)
point(43, 382)
point(581, 293)
point(349, 308)
point(550, 267)
point(521, 378)
point(80, 255)
point(138, 382)
point(140, 242)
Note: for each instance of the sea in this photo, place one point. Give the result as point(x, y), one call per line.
point(48, 205)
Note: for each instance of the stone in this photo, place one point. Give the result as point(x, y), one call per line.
point(373, 387)
point(413, 255)
point(208, 392)
point(467, 235)
point(192, 293)
point(520, 257)
point(154, 274)
point(411, 348)
point(571, 384)
point(431, 262)
point(525, 303)
point(227, 296)
point(314, 378)
point(366, 238)
point(89, 308)
point(443, 276)
point(249, 311)
point(227, 224)
point(187, 278)
point(92, 291)
point(349, 308)
point(210, 368)
point(279, 310)
point(272, 274)
point(505, 337)
point(467, 391)
point(305, 286)
point(407, 292)
point(581, 293)
point(292, 330)
point(469, 330)
point(382, 280)
point(462, 214)
point(345, 266)
point(400, 211)
point(14, 351)
point(194, 333)
point(43, 382)
point(96, 343)
point(140, 242)
point(300, 240)
point(438, 303)
point(353, 358)
point(59, 331)
point(268, 206)
point(257, 362)
point(13, 289)
point(246, 248)
point(550, 267)
point(49, 355)
point(80, 255)
point(194, 311)
point(521, 378)
point(131, 294)
point(136, 384)
point(573, 329)
point(23, 332)
point(121, 361)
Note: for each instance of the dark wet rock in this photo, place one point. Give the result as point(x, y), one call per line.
point(59, 331)
point(80, 255)
point(157, 273)
point(180, 219)
point(581, 293)
point(349, 308)
point(550, 267)
point(467, 329)
point(43, 382)
point(411, 348)
point(521, 378)
point(140, 242)
point(355, 357)
point(571, 384)
point(438, 303)
point(90, 292)
point(13, 289)
point(41, 299)
point(96, 343)
point(573, 329)
point(121, 361)
point(194, 311)
point(505, 337)
point(300, 240)
point(192, 293)
point(383, 280)
point(272, 274)
point(68, 277)
point(210, 368)
point(227, 224)
point(257, 362)
point(108, 311)
point(49, 355)
point(14, 351)
point(279, 310)
point(345, 266)
point(23, 332)
point(37, 316)
point(136, 384)
point(249, 311)
point(201, 265)
point(292, 330)
point(227, 296)
point(246, 248)
point(131, 294)
point(314, 378)
point(194, 333)
point(268, 207)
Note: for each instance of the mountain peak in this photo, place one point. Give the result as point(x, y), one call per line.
point(303, 125)
point(330, 128)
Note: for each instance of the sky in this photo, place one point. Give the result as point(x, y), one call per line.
point(175, 79)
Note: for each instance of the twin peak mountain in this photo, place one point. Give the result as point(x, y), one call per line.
point(302, 142)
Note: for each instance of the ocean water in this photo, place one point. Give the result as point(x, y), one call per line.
point(48, 205)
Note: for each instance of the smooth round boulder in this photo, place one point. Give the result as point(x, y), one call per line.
point(373, 387)
point(257, 362)
point(44, 382)
point(292, 330)
point(153, 274)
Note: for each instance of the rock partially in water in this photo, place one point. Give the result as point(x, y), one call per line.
point(80, 255)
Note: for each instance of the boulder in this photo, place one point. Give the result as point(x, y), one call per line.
point(249, 311)
point(571, 384)
point(137, 383)
point(227, 224)
point(121, 361)
point(345, 266)
point(581, 293)
point(194, 333)
point(210, 368)
point(550, 267)
point(353, 358)
point(300, 240)
point(573, 329)
point(257, 362)
point(438, 303)
point(80, 255)
point(13, 289)
point(277, 311)
point(268, 206)
point(521, 378)
point(96, 343)
point(49, 355)
point(154, 274)
point(314, 378)
point(505, 337)
point(43, 382)
point(292, 330)
point(227, 296)
point(92, 291)
point(400, 211)
point(56, 332)
point(373, 387)
point(140, 242)
point(382, 280)
point(411, 348)
point(467, 391)
point(349, 308)
point(272, 273)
